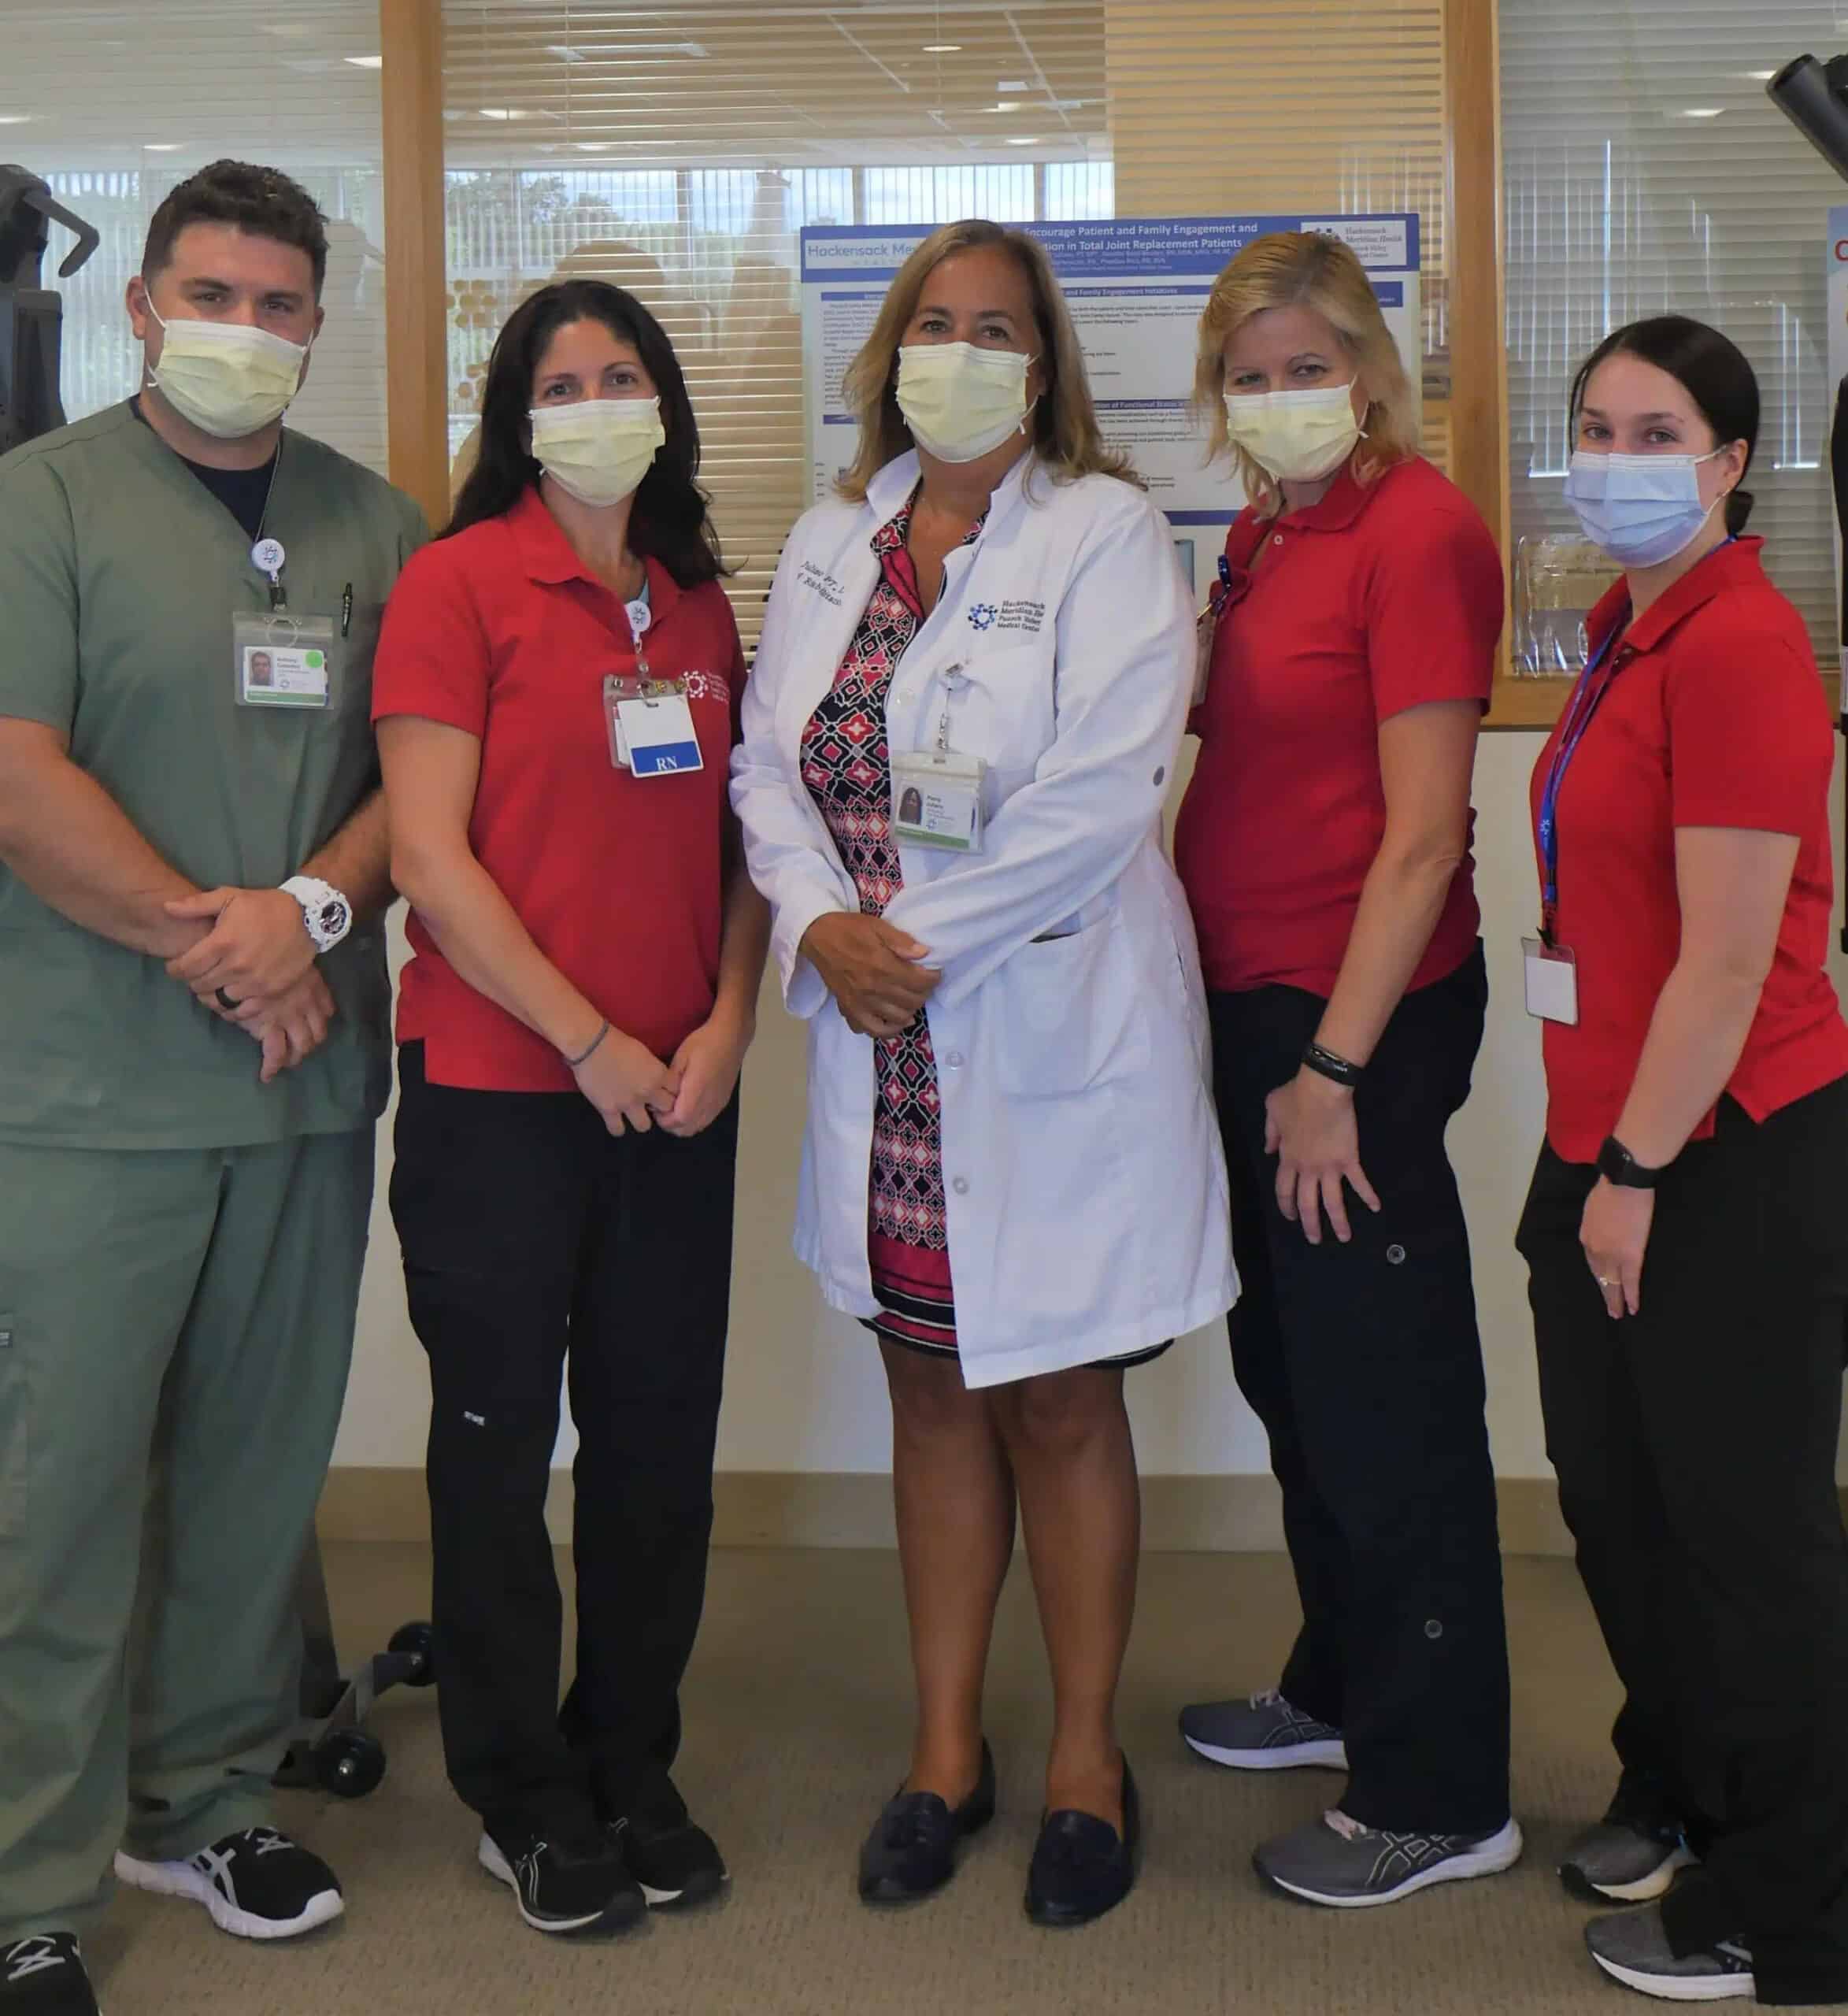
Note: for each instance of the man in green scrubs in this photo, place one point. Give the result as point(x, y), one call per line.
point(192, 1056)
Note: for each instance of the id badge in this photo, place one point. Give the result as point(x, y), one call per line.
point(657, 737)
point(937, 799)
point(282, 661)
point(1552, 982)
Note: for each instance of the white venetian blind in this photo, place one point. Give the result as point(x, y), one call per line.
point(678, 149)
point(1647, 172)
point(1247, 106)
point(113, 104)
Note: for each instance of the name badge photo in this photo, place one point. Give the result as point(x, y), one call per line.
point(937, 800)
point(282, 661)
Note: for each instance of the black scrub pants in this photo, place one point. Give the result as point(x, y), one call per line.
point(538, 1246)
point(1363, 1363)
point(1695, 1445)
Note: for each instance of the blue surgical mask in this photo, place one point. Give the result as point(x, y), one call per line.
point(1641, 510)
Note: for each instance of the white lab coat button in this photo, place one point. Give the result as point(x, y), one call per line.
point(954, 1060)
point(960, 1186)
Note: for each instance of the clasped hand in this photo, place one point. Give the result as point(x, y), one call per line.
point(875, 972)
point(256, 952)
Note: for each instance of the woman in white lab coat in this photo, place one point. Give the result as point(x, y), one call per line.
point(964, 718)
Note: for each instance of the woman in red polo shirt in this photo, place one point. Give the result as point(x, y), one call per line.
point(1324, 846)
point(557, 689)
point(1687, 1230)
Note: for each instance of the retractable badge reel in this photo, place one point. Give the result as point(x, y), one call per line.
point(936, 792)
point(650, 720)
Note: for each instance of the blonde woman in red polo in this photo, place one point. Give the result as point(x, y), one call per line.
point(1324, 846)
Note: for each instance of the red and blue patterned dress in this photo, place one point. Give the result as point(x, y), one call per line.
point(847, 768)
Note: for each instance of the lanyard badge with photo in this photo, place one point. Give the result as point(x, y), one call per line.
point(282, 661)
point(936, 793)
point(650, 720)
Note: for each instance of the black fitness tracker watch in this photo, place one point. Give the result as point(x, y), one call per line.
point(1617, 1165)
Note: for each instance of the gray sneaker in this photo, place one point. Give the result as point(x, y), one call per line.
point(1633, 1854)
point(1336, 1861)
point(1632, 1947)
point(1264, 1733)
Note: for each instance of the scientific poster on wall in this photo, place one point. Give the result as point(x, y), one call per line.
point(1837, 299)
point(1136, 287)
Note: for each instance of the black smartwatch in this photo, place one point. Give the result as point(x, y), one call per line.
point(1617, 1165)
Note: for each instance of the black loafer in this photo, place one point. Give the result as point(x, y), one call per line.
point(1082, 1867)
point(912, 1850)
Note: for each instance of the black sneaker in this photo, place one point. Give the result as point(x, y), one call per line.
point(675, 1863)
point(257, 1884)
point(565, 1885)
point(43, 1975)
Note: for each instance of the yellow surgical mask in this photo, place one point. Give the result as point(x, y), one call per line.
point(597, 450)
point(1297, 436)
point(229, 379)
point(961, 401)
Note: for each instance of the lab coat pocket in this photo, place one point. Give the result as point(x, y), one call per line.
point(14, 1427)
point(1069, 1012)
point(999, 705)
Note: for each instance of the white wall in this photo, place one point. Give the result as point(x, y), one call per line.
point(804, 1391)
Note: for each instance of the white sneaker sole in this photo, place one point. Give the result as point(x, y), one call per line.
point(497, 1865)
point(1667, 1988)
point(1326, 1756)
point(180, 1879)
point(1488, 1858)
point(1645, 1889)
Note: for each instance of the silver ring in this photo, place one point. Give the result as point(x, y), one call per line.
point(1602, 1283)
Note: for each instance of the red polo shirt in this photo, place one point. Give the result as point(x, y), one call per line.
point(1382, 597)
point(1714, 716)
point(502, 631)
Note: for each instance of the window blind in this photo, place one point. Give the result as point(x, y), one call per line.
point(1646, 172)
point(115, 104)
point(678, 149)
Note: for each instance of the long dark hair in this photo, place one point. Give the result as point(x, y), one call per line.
point(668, 521)
point(1710, 368)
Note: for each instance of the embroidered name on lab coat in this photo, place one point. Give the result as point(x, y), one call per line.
point(1026, 616)
point(819, 581)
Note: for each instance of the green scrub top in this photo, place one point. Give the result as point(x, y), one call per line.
point(119, 576)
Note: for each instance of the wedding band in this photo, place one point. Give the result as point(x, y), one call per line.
point(225, 1001)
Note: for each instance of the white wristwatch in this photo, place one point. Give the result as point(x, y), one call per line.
point(326, 912)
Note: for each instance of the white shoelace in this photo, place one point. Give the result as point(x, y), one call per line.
point(26, 1957)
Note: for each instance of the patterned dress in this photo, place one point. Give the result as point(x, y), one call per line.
point(847, 768)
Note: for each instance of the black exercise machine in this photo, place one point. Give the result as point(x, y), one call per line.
point(332, 1749)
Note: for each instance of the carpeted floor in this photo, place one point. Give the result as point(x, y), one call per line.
point(796, 1731)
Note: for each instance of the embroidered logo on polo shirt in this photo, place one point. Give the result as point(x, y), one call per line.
point(982, 615)
point(708, 686)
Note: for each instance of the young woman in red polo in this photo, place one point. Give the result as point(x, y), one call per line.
point(1324, 844)
point(1685, 1231)
point(558, 690)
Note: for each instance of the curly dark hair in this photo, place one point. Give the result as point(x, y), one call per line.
point(261, 201)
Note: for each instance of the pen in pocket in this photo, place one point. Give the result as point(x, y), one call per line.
point(346, 609)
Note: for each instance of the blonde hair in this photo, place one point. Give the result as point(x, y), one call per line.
point(1304, 269)
point(1065, 423)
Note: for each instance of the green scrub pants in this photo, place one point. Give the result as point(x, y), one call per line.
point(176, 1328)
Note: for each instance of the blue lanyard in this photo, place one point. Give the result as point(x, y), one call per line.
point(1588, 696)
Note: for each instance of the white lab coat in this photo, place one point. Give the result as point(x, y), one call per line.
point(1082, 1164)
